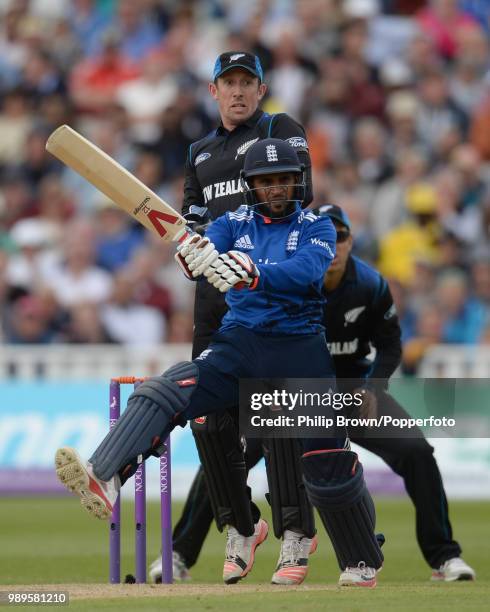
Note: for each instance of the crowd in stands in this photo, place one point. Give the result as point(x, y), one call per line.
point(395, 98)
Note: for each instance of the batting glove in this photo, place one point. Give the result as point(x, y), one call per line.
point(233, 270)
point(195, 254)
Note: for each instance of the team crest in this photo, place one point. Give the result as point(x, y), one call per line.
point(352, 315)
point(242, 149)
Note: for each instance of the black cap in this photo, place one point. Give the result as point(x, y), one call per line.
point(335, 213)
point(238, 59)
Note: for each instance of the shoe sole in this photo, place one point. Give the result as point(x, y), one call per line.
point(261, 537)
point(72, 474)
point(284, 580)
point(463, 577)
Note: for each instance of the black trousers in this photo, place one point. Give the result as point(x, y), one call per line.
point(411, 458)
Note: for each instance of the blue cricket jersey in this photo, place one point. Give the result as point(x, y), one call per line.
point(292, 255)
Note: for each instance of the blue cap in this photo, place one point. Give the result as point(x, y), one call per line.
point(238, 59)
point(335, 213)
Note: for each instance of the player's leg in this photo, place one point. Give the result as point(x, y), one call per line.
point(333, 476)
point(153, 410)
point(221, 452)
point(413, 459)
point(335, 485)
point(292, 512)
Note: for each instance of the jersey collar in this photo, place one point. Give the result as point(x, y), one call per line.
point(250, 123)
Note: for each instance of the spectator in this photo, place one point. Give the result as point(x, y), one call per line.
point(127, 321)
point(34, 239)
point(16, 122)
point(145, 98)
point(75, 278)
point(442, 21)
point(148, 289)
point(428, 332)
point(369, 147)
point(467, 82)
point(388, 203)
point(413, 240)
point(85, 326)
point(138, 34)
point(94, 81)
point(437, 114)
point(464, 317)
point(27, 323)
point(117, 237)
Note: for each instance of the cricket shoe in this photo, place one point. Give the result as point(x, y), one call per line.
point(360, 576)
point(240, 552)
point(179, 569)
point(452, 570)
point(96, 496)
point(292, 566)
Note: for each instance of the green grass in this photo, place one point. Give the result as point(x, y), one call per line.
point(53, 541)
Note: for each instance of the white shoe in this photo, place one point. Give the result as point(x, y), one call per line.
point(360, 576)
point(179, 569)
point(240, 552)
point(96, 496)
point(452, 570)
point(292, 566)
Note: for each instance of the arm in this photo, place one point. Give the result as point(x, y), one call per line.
point(220, 233)
point(310, 262)
point(192, 187)
point(386, 334)
point(286, 128)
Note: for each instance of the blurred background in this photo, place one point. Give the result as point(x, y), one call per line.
point(395, 99)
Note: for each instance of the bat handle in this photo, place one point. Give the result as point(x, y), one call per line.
point(183, 234)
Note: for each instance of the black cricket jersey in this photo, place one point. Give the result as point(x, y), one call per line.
point(211, 180)
point(360, 313)
point(213, 164)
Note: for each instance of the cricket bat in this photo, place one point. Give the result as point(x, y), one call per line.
point(124, 189)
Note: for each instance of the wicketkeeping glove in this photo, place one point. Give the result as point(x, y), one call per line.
point(232, 270)
point(195, 254)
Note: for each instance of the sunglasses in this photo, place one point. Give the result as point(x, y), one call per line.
point(342, 235)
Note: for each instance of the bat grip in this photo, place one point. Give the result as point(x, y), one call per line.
point(186, 232)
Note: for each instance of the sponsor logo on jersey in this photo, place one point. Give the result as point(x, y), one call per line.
point(292, 242)
point(297, 142)
point(347, 347)
point(221, 190)
point(391, 312)
point(271, 153)
point(200, 420)
point(244, 242)
point(201, 157)
point(237, 56)
point(352, 315)
point(324, 244)
point(243, 148)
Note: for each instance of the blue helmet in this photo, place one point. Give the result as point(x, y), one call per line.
point(271, 156)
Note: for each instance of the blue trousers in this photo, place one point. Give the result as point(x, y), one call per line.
point(243, 353)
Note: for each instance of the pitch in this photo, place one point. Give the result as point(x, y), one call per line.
point(52, 542)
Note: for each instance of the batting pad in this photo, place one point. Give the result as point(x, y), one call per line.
point(335, 484)
point(152, 412)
